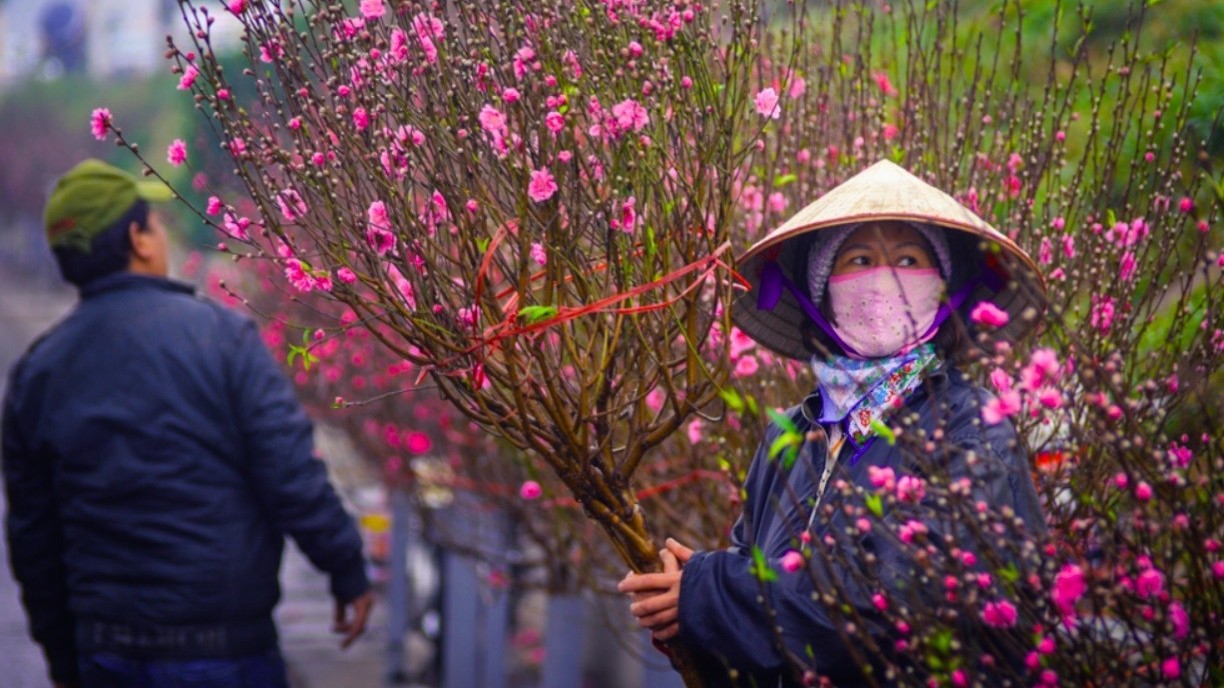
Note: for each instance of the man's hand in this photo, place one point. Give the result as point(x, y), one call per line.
point(351, 618)
point(656, 596)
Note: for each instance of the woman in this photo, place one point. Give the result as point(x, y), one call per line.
point(866, 284)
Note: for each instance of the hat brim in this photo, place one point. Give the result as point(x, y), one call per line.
point(885, 192)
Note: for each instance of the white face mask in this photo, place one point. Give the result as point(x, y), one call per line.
point(886, 310)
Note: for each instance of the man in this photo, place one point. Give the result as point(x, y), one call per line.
point(154, 457)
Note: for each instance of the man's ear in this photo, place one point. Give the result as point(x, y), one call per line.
point(140, 239)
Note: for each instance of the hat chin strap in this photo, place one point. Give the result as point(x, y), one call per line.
point(773, 281)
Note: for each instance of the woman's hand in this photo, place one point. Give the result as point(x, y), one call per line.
point(656, 596)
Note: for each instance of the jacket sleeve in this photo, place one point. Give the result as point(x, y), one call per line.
point(36, 544)
point(291, 483)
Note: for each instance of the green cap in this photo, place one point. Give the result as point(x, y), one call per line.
point(91, 197)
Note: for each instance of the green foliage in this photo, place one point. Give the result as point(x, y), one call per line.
point(760, 567)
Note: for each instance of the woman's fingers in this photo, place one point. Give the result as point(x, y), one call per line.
point(653, 605)
point(643, 582)
point(670, 563)
point(680, 551)
point(666, 633)
point(661, 619)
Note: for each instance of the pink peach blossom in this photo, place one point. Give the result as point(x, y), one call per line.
point(492, 119)
point(292, 205)
point(882, 478)
point(746, 366)
point(542, 185)
point(188, 78)
point(767, 104)
point(911, 488)
point(986, 313)
point(997, 408)
point(99, 122)
point(1143, 491)
point(176, 153)
point(1171, 668)
point(530, 490)
point(792, 561)
point(1000, 614)
point(373, 9)
point(695, 434)
point(630, 114)
point(538, 254)
point(1068, 587)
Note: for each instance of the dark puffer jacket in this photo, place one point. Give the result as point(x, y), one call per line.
point(722, 615)
point(154, 458)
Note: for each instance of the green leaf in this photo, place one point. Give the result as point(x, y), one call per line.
point(785, 441)
point(295, 351)
point(1009, 573)
point(732, 398)
point(482, 244)
point(752, 404)
point(792, 453)
point(785, 179)
point(875, 505)
point(723, 464)
point(760, 567)
point(1110, 217)
point(783, 421)
point(884, 431)
point(534, 314)
point(943, 641)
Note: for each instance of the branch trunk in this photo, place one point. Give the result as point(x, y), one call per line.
point(639, 553)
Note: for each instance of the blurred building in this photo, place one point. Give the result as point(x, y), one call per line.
point(102, 38)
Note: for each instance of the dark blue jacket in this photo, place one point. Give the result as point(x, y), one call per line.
point(155, 457)
point(722, 615)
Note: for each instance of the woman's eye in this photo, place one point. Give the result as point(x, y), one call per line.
point(860, 261)
point(907, 261)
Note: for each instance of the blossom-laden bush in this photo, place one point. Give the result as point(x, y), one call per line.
point(1117, 400)
point(421, 444)
point(532, 206)
point(528, 203)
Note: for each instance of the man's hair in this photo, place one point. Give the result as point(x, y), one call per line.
point(109, 252)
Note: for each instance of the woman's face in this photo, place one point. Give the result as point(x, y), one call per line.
point(882, 244)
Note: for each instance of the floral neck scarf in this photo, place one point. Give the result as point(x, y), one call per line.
point(864, 391)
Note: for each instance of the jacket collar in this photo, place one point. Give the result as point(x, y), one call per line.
point(123, 281)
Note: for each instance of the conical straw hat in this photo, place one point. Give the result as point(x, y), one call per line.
point(885, 191)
